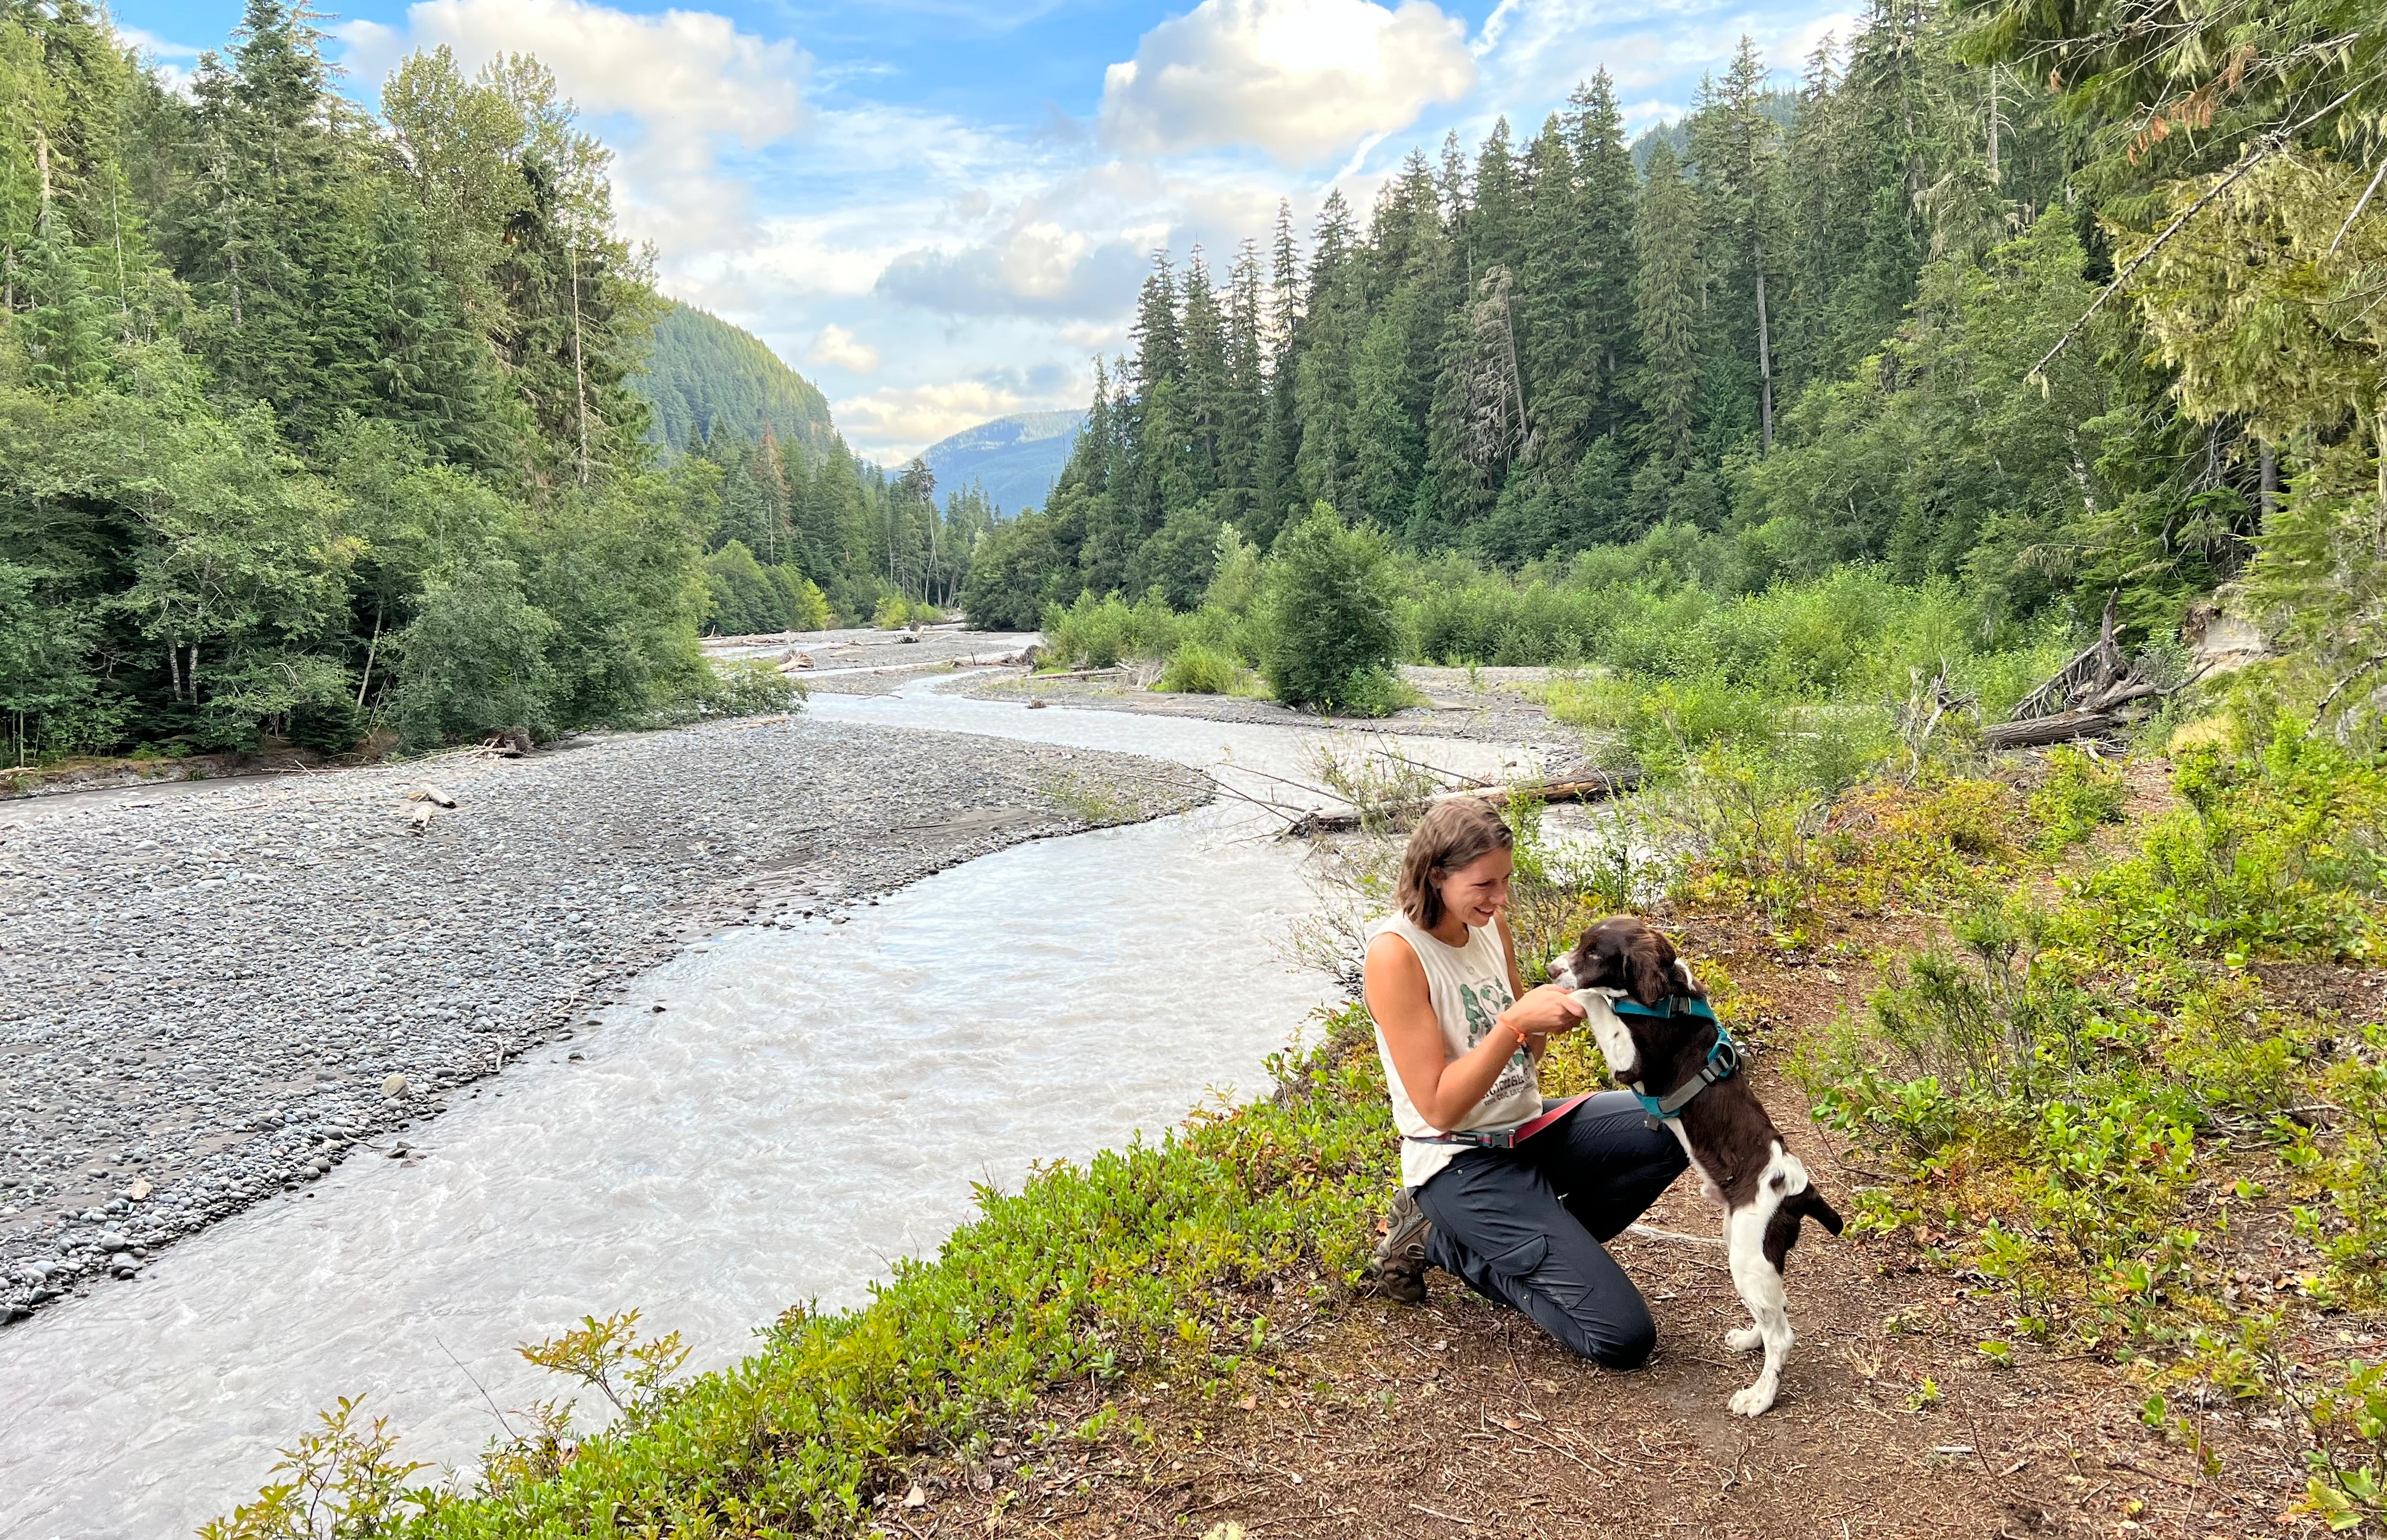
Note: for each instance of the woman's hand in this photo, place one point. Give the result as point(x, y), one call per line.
point(1543, 1011)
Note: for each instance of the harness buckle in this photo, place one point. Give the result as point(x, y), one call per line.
point(1721, 1064)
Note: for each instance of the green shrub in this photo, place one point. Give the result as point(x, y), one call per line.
point(1196, 669)
point(749, 687)
point(2281, 855)
point(1104, 633)
point(1373, 692)
point(895, 611)
point(1235, 579)
point(2079, 796)
point(1327, 604)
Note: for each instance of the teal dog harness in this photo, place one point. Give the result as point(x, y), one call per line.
point(1722, 1060)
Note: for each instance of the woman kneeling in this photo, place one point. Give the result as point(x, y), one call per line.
point(1522, 1219)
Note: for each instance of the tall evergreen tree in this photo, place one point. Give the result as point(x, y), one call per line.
point(1666, 310)
point(1243, 404)
point(1609, 191)
point(1737, 172)
point(1328, 335)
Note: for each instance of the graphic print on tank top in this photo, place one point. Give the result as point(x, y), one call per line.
point(1483, 1010)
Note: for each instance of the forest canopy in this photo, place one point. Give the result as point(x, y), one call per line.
point(2046, 304)
point(312, 417)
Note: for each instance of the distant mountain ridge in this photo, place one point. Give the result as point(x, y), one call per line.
point(705, 377)
point(1016, 459)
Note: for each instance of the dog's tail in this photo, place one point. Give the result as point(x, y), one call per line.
point(1816, 1206)
point(1782, 1231)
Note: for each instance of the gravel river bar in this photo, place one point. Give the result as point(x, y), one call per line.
point(210, 994)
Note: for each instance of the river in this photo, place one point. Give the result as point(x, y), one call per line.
point(815, 1102)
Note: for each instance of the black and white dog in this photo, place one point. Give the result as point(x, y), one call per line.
point(1662, 1044)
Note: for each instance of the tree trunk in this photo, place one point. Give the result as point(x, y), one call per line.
point(372, 649)
point(1595, 786)
point(2038, 731)
point(579, 378)
point(1993, 125)
point(123, 305)
point(1764, 361)
point(2270, 497)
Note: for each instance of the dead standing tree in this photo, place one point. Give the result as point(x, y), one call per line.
point(1498, 430)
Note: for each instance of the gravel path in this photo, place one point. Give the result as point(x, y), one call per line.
point(873, 662)
point(211, 993)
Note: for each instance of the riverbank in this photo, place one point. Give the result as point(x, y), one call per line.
point(215, 993)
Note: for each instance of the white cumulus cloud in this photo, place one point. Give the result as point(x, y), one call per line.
point(1300, 79)
point(894, 423)
point(689, 81)
point(838, 348)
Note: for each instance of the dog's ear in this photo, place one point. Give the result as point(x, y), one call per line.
point(1650, 973)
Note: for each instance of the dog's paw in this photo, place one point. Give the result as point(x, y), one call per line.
point(1749, 1339)
point(1752, 1401)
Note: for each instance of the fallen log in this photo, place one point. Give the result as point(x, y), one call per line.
point(1596, 786)
point(2084, 699)
point(2064, 727)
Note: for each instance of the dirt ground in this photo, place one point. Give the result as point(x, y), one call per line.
point(1459, 1417)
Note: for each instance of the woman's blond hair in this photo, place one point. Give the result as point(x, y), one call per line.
point(1454, 833)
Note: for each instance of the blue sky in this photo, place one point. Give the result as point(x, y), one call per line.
point(940, 211)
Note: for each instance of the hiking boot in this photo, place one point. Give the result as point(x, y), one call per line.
point(1399, 1261)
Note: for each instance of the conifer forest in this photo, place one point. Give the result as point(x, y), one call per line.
point(2040, 304)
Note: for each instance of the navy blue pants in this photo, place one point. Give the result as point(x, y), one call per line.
point(1524, 1226)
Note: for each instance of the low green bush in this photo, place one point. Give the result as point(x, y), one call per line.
point(2048, 1091)
point(1102, 633)
point(1372, 692)
point(895, 612)
point(1196, 669)
point(2280, 853)
point(2079, 796)
point(749, 687)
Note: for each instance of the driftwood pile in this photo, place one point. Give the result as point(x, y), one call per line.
point(1579, 785)
point(2093, 696)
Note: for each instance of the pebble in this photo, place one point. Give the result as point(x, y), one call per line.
point(204, 995)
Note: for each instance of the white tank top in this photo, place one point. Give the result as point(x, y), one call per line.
point(1469, 988)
